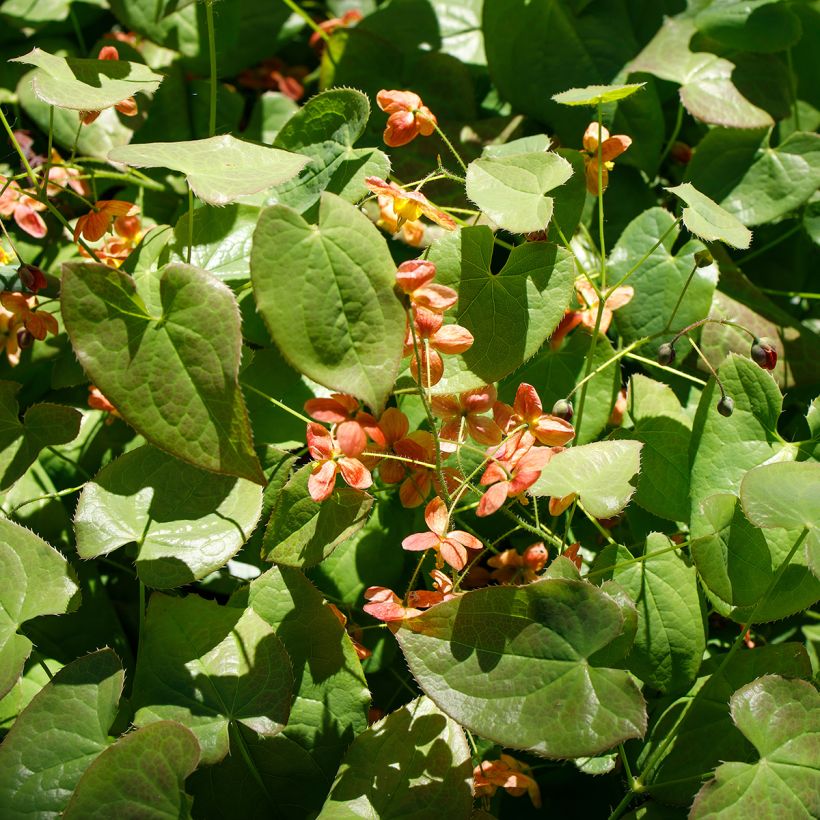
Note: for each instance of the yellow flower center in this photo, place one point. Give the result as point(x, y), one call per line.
point(407, 209)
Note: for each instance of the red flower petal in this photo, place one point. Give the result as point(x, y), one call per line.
point(321, 480)
point(420, 541)
point(355, 473)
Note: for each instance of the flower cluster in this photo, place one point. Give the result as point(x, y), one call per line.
point(587, 314)
point(409, 117)
point(506, 773)
point(426, 336)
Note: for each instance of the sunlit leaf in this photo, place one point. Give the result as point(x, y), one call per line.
point(597, 94)
point(706, 219)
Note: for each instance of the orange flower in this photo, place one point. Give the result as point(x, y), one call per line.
point(506, 773)
point(10, 328)
point(128, 106)
point(16, 203)
point(511, 477)
point(273, 74)
point(409, 205)
point(467, 406)
point(409, 117)
point(451, 546)
point(317, 42)
point(116, 249)
point(512, 567)
point(611, 147)
point(39, 324)
point(433, 338)
point(362, 652)
point(96, 223)
point(586, 316)
point(336, 455)
point(415, 278)
point(540, 426)
point(98, 401)
point(410, 232)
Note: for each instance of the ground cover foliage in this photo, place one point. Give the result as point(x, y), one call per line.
point(408, 409)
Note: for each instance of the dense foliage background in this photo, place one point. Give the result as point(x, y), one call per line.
point(395, 420)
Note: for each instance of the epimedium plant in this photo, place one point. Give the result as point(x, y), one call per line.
point(451, 456)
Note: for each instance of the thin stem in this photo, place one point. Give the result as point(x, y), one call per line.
point(141, 620)
point(666, 367)
point(675, 132)
point(792, 294)
point(541, 532)
point(601, 242)
point(680, 298)
point(392, 457)
point(647, 254)
point(190, 223)
point(209, 18)
point(279, 404)
point(449, 145)
point(47, 165)
point(45, 497)
point(590, 356)
point(618, 355)
point(578, 266)
point(640, 559)
point(625, 761)
point(623, 805)
point(308, 19)
point(11, 243)
point(768, 246)
point(45, 668)
point(709, 365)
point(415, 575)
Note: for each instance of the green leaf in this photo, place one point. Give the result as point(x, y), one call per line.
point(325, 130)
point(782, 495)
point(560, 370)
point(412, 763)
point(596, 94)
point(750, 179)
point(706, 735)
point(737, 563)
point(706, 219)
point(659, 281)
point(21, 441)
point(759, 25)
point(218, 169)
point(511, 190)
point(283, 783)
point(599, 473)
point(301, 532)
point(108, 131)
point(141, 775)
point(724, 449)
point(58, 736)
point(510, 313)
point(86, 85)
point(164, 349)
point(35, 580)
point(342, 325)
point(707, 91)
point(181, 536)
point(782, 719)
point(665, 430)
point(530, 646)
point(670, 639)
point(330, 707)
point(208, 666)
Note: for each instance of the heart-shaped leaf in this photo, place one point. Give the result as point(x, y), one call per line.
point(531, 645)
point(58, 736)
point(511, 190)
point(380, 776)
point(783, 495)
point(342, 326)
point(21, 441)
point(597, 94)
point(510, 313)
point(706, 219)
point(164, 349)
point(218, 169)
point(759, 25)
point(301, 532)
point(208, 666)
point(670, 638)
point(34, 580)
point(707, 91)
point(141, 775)
point(325, 130)
point(86, 85)
point(781, 718)
point(331, 700)
point(704, 732)
point(599, 473)
point(180, 536)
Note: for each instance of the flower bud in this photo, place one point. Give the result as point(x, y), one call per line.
point(703, 259)
point(726, 406)
point(563, 409)
point(680, 152)
point(535, 556)
point(666, 354)
point(32, 277)
point(764, 355)
point(24, 338)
